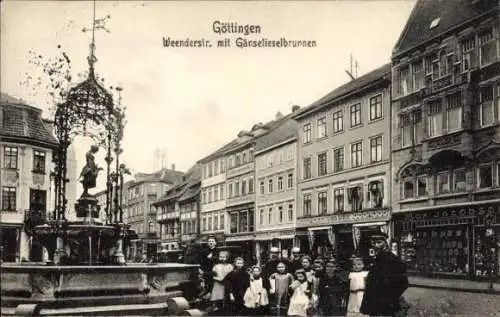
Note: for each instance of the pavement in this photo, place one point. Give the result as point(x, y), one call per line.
point(454, 285)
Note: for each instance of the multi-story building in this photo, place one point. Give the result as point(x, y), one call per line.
point(189, 205)
point(26, 148)
point(344, 170)
point(446, 136)
point(276, 181)
point(140, 214)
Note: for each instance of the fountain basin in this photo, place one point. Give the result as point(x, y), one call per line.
point(94, 290)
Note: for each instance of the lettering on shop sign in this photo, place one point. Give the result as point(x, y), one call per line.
point(355, 217)
point(467, 212)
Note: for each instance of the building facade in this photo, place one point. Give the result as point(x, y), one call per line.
point(446, 137)
point(344, 169)
point(26, 149)
point(275, 198)
point(144, 190)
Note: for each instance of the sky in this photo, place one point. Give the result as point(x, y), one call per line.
point(191, 101)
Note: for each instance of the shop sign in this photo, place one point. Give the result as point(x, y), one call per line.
point(274, 234)
point(246, 237)
point(465, 212)
point(347, 218)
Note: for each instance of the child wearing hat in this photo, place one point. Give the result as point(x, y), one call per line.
point(357, 279)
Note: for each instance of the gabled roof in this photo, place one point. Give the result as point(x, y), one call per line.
point(451, 13)
point(164, 175)
point(23, 122)
point(193, 190)
point(354, 86)
point(286, 130)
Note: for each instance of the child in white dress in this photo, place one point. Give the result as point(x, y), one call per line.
point(220, 271)
point(256, 297)
point(357, 279)
point(301, 300)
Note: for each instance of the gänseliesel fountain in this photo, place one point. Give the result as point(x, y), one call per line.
point(86, 273)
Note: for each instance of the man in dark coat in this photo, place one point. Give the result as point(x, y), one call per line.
point(386, 281)
point(295, 262)
point(208, 259)
point(271, 266)
point(238, 282)
point(331, 291)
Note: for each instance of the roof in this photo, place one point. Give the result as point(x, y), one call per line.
point(193, 190)
point(174, 192)
point(451, 13)
point(286, 130)
point(21, 121)
point(357, 85)
point(164, 175)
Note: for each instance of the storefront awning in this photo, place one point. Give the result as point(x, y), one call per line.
point(240, 238)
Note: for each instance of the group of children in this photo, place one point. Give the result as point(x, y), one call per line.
point(322, 290)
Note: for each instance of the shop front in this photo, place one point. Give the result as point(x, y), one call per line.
point(456, 242)
point(281, 239)
point(341, 235)
point(242, 245)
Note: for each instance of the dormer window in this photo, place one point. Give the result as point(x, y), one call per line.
point(435, 23)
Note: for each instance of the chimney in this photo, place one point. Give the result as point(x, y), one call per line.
point(279, 116)
point(295, 108)
point(173, 167)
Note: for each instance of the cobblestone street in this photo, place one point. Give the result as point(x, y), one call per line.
point(435, 302)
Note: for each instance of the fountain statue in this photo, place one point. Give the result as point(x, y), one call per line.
point(86, 273)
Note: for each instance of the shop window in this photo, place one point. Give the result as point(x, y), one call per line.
point(322, 203)
point(338, 200)
point(355, 198)
point(322, 164)
point(376, 194)
point(307, 205)
point(322, 128)
point(443, 182)
point(487, 47)
point(459, 184)
point(485, 176)
point(10, 157)
point(338, 121)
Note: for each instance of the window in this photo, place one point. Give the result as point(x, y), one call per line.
point(216, 167)
point(322, 203)
point(321, 128)
point(216, 193)
point(468, 49)
point(10, 157)
point(204, 197)
point(443, 182)
point(270, 186)
point(230, 190)
point(234, 222)
point(237, 189)
point(322, 164)
point(280, 183)
point(486, 110)
point(487, 47)
point(355, 198)
point(307, 205)
point(210, 194)
point(356, 154)
point(270, 162)
point(222, 166)
point(376, 107)
point(261, 217)
point(405, 80)
point(307, 168)
point(250, 186)
point(355, 115)
point(459, 180)
point(417, 71)
point(9, 198)
point(445, 63)
point(485, 176)
point(261, 186)
point(270, 216)
point(498, 174)
point(38, 161)
point(280, 214)
point(454, 112)
point(243, 187)
point(376, 194)
point(376, 149)
point(216, 222)
point(290, 181)
point(222, 223)
point(338, 200)
point(414, 183)
point(411, 126)
point(307, 133)
point(290, 213)
point(338, 159)
point(338, 121)
point(222, 191)
point(435, 119)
